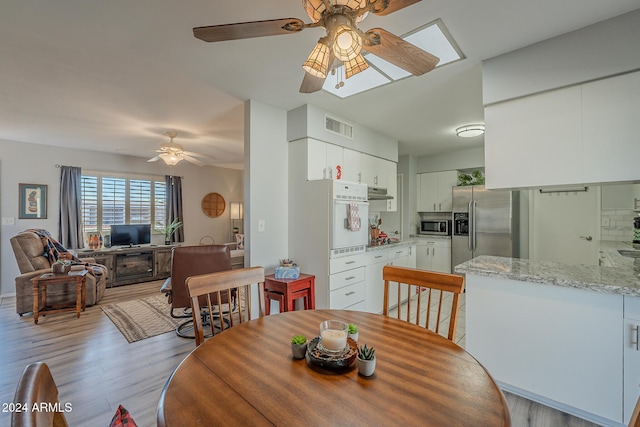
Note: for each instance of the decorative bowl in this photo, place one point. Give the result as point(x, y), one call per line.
point(315, 356)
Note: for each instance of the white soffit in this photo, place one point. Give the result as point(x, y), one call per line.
point(432, 37)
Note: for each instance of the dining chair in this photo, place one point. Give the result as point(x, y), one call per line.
point(233, 289)
point(423, 291)
point(635, 417)
point(37, 387)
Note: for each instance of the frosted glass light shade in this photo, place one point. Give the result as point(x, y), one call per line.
point(170, 159)
point(354, 66)
point(469, 131)
point(317, 63)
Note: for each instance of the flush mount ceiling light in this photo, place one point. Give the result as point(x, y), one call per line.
point(343, 41)
point(469, 131)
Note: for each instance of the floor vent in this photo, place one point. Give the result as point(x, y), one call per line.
point(338, 127)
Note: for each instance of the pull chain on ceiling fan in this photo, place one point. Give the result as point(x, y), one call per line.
point(343, 43)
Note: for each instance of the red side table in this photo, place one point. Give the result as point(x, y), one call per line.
point(286, 291)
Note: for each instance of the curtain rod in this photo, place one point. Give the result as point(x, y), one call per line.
point(58, 166)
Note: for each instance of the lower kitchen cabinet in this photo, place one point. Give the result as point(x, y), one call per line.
point(347, 282)
point(434, 255)
point(374, 292)
point(631, 355)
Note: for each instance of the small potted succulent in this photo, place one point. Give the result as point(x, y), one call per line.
point(298, 346)
point(353, 332)
point(366, 361)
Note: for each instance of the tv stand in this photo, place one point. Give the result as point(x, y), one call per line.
point(127, 265)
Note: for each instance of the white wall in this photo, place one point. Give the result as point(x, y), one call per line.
point(456, 160)
point(35, 164)
point(266, 185)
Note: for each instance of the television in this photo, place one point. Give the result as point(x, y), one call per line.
point(130, 234)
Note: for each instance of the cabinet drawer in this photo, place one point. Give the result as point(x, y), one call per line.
point(395, 253)
point(345, 278)
point(336, 265)
point(347, 296)
point(631, 307)
point(380, 255)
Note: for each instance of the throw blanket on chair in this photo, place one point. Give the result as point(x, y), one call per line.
point(54, 251)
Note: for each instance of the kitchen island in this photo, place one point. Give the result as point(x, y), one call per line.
point(563, 335)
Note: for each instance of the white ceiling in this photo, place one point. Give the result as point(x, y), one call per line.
point(116, 75)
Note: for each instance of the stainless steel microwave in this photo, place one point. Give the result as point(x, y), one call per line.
point(438, 227)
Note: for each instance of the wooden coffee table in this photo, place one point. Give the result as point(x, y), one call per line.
point(40, 284)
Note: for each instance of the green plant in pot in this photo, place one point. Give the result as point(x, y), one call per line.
point(353, 332)
point(366, 361)
point(170, 229)
point(474, 178)
point(298, 346)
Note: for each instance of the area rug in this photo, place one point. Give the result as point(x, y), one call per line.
point(142, 318)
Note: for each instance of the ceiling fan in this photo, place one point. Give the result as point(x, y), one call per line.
point(172, 153)
point(343, 42)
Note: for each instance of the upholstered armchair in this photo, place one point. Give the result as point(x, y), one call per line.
point(32, 262)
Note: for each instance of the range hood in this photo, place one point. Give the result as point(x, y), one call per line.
point(378, 193)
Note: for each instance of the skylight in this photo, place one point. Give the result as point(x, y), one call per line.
point(433, 38)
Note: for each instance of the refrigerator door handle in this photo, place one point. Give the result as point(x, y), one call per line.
point(473, 227)
point(469, 231)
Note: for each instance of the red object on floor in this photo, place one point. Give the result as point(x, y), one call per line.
point(286, 291)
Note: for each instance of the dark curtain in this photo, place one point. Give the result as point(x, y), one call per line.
point(70, 207)
point(174, 205)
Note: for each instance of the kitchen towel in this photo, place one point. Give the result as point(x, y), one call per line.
point(353, 217)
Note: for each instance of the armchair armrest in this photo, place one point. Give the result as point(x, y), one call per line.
point(26, 277)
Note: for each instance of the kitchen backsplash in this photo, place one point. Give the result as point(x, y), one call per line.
point(620, 228)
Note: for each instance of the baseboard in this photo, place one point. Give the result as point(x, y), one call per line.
point(560, 406)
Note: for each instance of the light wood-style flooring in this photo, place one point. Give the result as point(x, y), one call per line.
point(96, 369)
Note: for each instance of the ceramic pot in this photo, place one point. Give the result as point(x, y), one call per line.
point(298, 351)
point(366, 368)
point(354, 336)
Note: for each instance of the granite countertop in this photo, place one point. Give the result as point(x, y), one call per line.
point(430, 236)
point(390, 245)
point(623, 277)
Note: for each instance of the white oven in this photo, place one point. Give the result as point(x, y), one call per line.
point(349, 232)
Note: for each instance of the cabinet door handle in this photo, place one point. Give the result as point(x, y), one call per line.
point(350, 262)
point(350, 293)
point(434, 252)
point(350, 278)
point(439, 206)
point(636, 329)
point(434, 206)
point(427, 251)
point(379, 256)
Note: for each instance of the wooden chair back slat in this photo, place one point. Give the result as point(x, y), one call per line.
point(233, 289)
point(413, 286)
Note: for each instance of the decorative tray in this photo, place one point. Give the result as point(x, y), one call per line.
point(330, 361)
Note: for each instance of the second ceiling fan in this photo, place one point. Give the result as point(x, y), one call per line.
point(343, 43)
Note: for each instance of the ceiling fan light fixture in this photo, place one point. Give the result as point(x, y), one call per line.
point(170, 159)
point(347, 44)
point(317, 63)
point(314, 9)
point(469, 131)
point(355, 66)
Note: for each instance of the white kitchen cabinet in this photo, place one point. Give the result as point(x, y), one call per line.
point(351, 169)
point(346, 281)
point(374, 285)
point(373, 171)
point(434, 255)
point(323, 159)
point(631, 355)
point(434, 191)
point(401, 257)
point(609, 107)
point(391, 177)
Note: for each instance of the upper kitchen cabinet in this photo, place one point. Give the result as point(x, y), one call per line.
point(434, 191)
point(373, 171)
point(324, 161)
point(620, 197)
point(570, 136)
point(611, 111)
point(534, 141)
point(352, 168)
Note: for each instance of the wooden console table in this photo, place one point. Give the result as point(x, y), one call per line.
point(40, 284)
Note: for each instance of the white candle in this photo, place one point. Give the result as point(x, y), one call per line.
point(334, 340)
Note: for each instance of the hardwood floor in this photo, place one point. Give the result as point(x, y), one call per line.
point(96, 369)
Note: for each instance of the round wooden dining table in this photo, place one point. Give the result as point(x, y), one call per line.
point(246, 376)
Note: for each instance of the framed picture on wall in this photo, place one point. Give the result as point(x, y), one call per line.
point(33, 201)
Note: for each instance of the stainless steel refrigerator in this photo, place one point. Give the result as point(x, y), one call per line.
point(485, 222)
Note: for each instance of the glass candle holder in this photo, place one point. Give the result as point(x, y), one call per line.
point(333, 336)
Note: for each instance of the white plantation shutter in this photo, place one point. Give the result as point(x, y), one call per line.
point(109, 199)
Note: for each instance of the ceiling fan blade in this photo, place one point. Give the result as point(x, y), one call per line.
point(154, 159)
point(399, 52)
point(391, 6)
point(192, 154)
point(311, 83)
point(245, 30)
point(191, 159)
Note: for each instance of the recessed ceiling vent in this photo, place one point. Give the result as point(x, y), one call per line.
point(338, 127)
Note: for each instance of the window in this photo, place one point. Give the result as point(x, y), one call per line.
point(111, 198)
